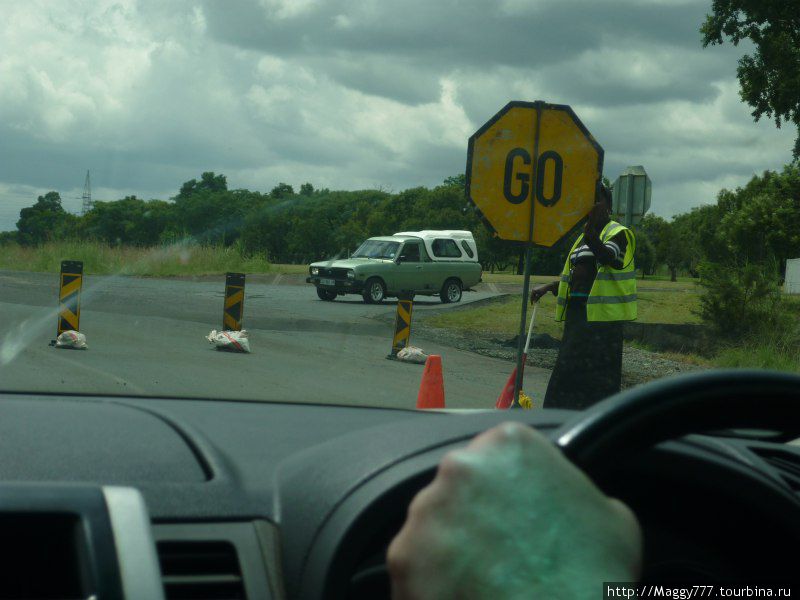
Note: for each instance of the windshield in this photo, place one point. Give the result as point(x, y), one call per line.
point(376, 249)
point(182, 185)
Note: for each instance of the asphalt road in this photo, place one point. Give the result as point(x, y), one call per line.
point(146, 337)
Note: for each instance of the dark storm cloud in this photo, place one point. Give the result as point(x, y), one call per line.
point(409, 80)
point(357, 93)
point(402, 49)
point(458, 33)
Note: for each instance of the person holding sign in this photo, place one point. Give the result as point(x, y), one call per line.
point(596, 293)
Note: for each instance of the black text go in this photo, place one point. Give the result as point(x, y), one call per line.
point(516, 160)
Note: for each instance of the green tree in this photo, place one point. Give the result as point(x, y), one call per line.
point(309, 239)
point(46, 220)
point(306, 189)
point(208, 182)
point(282, 190)
point(493, 253)
point(742, 299)
point(265, 230)
point(129, 221)
point(349, 236)
point(700, 233)
point(670, 245)
point(459, 181)
point(761, 221)
point(215, 218)
point(769, 78)
point(644, 256)
point(439, 208)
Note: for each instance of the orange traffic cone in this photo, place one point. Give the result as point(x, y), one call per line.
point(506, 398)
point(431, 390)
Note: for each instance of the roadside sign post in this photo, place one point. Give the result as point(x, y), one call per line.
point(532, 175)
point(631, 195)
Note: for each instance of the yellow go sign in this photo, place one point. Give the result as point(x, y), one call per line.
point(533, 152)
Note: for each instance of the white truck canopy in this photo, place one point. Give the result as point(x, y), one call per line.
point(447, 244)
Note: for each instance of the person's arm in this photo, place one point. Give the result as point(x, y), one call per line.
point(541, 290)
point(610, 253)
point(510, 517)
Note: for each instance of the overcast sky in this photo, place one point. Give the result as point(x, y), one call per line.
point(350, 94)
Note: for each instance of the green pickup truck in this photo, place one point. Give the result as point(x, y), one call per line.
point(426, 263)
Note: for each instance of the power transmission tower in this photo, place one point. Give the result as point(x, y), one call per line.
point(87, 195)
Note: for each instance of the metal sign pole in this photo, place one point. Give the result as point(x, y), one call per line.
point(629, 211)
point(528, 261)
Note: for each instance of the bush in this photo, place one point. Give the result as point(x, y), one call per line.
point(781, 354)
point(740, 301)
point(7, 238)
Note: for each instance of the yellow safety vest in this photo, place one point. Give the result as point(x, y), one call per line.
point(613, 293)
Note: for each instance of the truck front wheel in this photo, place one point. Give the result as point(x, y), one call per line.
point(326, 295)
point(374, 291)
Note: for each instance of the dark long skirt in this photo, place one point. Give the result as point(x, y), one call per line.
point(589, 364)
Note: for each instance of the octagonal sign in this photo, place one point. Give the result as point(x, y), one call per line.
point(533, 152)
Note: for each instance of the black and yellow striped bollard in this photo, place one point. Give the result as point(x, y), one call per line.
point(402, 324)
point(233, 311)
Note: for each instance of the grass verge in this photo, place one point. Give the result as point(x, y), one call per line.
point(501, 319)
point(290, 269)
point(654, 283)
point(161, 261)
point(778, 355)
point(498, 319)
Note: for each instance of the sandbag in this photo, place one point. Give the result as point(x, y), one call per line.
point(412, 354)
point(230, 341)
point(73, 340)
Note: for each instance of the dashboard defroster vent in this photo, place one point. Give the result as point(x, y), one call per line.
point(200, 570)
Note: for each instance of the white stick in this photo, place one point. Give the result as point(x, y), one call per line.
point(530, 328)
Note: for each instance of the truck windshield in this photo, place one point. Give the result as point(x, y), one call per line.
point(377, 249)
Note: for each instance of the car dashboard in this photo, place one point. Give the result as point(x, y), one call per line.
point(134, 497)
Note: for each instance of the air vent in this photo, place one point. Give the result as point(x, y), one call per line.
point(786, 463)
point(200, 570)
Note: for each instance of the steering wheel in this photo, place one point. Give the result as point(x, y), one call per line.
point(641, 417)
point(700, 402)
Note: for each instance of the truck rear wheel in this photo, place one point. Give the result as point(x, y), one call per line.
point(451, 291)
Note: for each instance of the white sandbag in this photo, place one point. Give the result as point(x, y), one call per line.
point(231, 341)
point(412, 354)
point(71, 339)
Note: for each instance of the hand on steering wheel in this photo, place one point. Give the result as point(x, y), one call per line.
point(510, 517)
